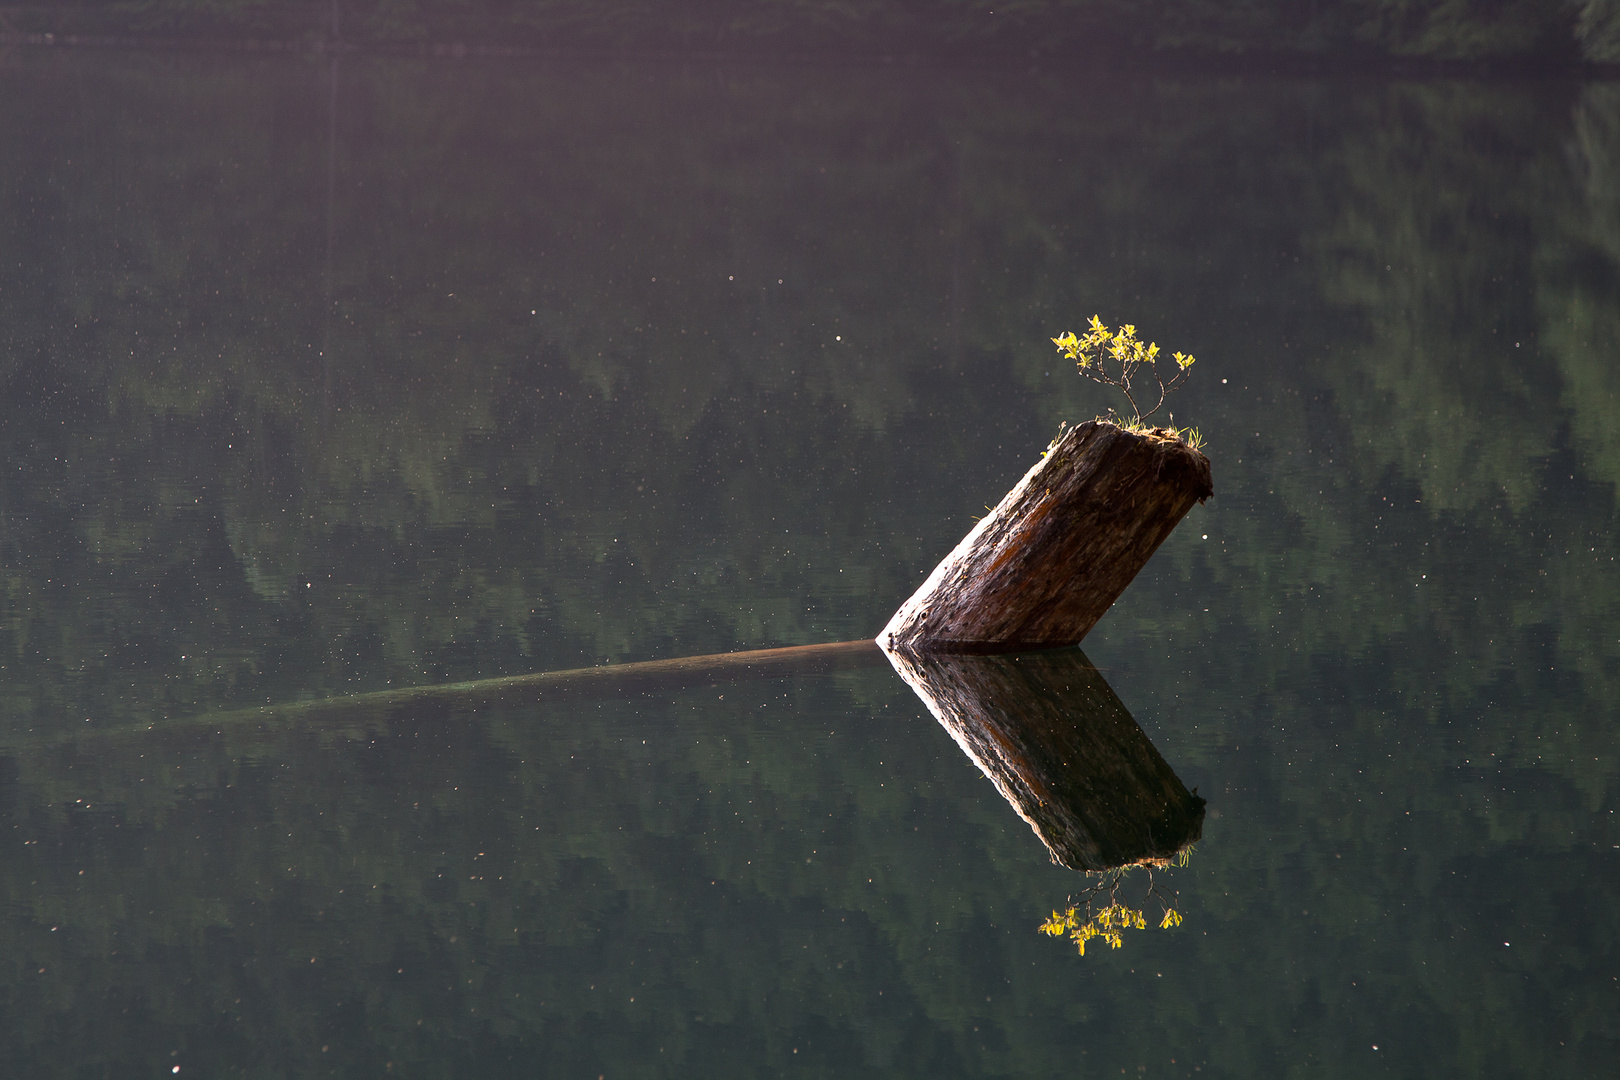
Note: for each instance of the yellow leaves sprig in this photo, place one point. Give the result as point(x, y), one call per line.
point(1115, 357)
point(1107, 924)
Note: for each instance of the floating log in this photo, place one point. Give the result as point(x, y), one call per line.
point(1060, 746)
point(643, 677)
point(1054, 555)
point(647, 676)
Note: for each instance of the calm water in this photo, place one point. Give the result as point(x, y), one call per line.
point(320, 380)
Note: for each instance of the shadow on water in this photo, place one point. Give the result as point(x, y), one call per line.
point(1060, 746)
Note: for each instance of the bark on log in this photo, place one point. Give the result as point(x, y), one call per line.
point(1049, 732)
point(1054, 555)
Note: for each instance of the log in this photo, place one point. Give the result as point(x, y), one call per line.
point(646, 676)
point(570, 684)
point(1060, 548)
point(1062, 749)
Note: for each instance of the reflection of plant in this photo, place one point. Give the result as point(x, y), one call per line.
point(1113, 358)
point(1083, 920)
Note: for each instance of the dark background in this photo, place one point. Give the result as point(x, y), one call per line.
point(1545, 34)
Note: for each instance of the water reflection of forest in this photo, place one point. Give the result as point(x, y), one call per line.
point(503, 446)
point(551, 377)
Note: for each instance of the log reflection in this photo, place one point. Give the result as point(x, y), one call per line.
point(1051, 734)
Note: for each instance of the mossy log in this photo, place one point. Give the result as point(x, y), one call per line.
point(1060, 746)
point(1054, 555)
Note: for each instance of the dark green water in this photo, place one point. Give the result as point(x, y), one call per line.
point(318, 381)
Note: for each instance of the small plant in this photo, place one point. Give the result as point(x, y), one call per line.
point(1084, 919)
point(1116, 357)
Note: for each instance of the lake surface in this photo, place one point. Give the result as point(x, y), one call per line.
point(323, 377)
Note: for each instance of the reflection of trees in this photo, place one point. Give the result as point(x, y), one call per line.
point(472, 452)
point(496, 491)
point(1459, 200)
point(1580, 273)
point(458, 516)
point(1494, 662)
point(494, 888)
point(1461, 29)
point(1428, 236)
point(493, 467)
point(1462, 202)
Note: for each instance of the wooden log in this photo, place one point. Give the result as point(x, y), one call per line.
point(1054, 555)
point(1060, 746)
point(647, 676)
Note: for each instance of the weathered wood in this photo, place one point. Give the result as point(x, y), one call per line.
point(648, 676)
point(1054, 555)
point(644, 676)
point(1060, 746)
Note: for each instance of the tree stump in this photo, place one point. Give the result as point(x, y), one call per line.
point(1060, 746)
point(1054, 555)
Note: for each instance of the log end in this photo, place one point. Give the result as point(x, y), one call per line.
point(1179, 460)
